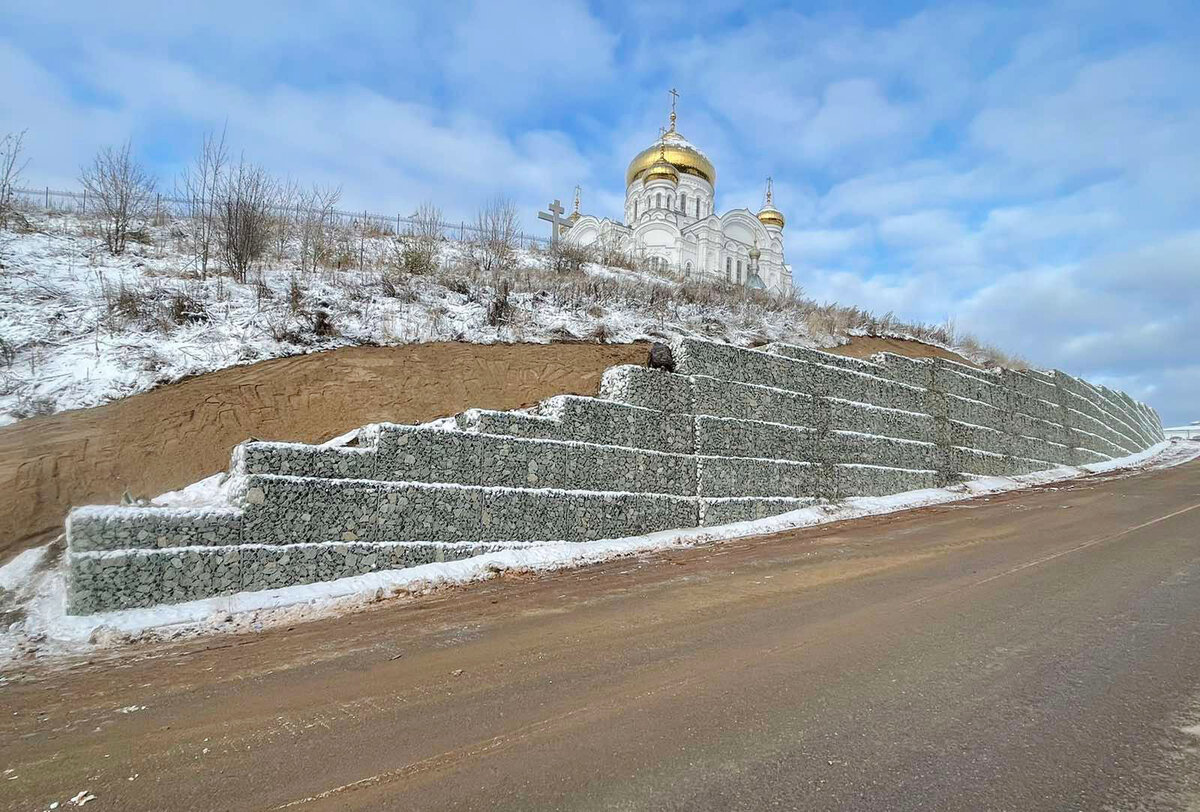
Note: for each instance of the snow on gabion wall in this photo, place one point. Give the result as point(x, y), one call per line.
point(733, 434)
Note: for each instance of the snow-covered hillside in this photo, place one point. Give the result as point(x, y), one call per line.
point(80, 327)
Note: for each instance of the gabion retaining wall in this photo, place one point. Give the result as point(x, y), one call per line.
point(733, 434)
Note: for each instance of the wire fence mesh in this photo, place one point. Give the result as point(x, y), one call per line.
point(165, 206)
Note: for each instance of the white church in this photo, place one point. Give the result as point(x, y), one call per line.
point(670, 221)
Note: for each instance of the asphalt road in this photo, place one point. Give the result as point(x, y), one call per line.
point(1038, 650)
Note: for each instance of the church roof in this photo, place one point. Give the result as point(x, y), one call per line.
point(686, 157)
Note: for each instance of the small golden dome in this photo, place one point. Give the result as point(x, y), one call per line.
point(662, 169)
point(770, 216)
point(679, 153)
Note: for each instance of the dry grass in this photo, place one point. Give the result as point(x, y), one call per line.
point(372, 264)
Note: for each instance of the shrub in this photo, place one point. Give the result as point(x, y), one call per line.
point(123, 191)
point(295, 296)
point(184, 309)
point(500, 309)
point(496, 231)
point(566, 258)
point(244, 207)
point(322, 324)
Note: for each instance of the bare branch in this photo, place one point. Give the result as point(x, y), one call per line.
point(498, 229)
point(11, 167)
point(123, 190)
point(244, 206)
point(200, 186)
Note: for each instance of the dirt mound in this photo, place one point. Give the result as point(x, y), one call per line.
point(169, 437)
point(866, 346)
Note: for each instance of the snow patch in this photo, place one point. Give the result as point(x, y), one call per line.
point(16, 573)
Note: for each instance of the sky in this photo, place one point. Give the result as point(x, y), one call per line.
point(1029, 171)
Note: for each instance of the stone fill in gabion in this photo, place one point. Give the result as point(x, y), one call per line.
point(129, 579)
point(731, 435)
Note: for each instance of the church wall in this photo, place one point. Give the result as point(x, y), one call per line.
point(734, 434)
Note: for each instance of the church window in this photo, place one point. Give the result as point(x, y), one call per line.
point(697, 207)
point(728, 269)
point(635, 209)
point(658, 200)
point(688, 269)
point(683, 203)
point(739, 276)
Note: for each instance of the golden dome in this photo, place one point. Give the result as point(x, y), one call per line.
point(662, 169)
point(681, 155)
point(770, 216)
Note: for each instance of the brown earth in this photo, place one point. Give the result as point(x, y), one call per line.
point(167, 438)
point(866, 346)
point(174, 435)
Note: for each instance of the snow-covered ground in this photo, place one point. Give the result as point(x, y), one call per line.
point(79, 327)
point(32, 586)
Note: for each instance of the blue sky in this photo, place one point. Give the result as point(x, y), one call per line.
point(1029, 170)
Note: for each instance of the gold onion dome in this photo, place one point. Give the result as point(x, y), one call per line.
point(771, 217)
point(662, 169)
point(768, 215)
point(675, 150)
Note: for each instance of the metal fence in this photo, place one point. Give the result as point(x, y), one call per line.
point(59, 200)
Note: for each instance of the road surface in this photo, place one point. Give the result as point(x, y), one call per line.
point(1035, 650)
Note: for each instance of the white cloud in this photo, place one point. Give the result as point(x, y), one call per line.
point(819, 244)
point(514, 55)
point(853, 113)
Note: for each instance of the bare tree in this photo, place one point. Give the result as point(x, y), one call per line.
point(497, 228)
point(285, 216)
point(316, 224)
point(11, 167)
point(123, 190)
point(416, 247)
point(201, 184)
point(244, 203)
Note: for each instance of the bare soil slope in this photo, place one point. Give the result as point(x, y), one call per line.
point(866, 346)
point(170, 437)
point(167, 438)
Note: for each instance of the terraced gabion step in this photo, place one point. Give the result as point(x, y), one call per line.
point(394, 453)
point(284, 510)
point(288, 510)
point(127, 579)
point(716, 512)
point(587, 420)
